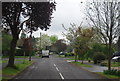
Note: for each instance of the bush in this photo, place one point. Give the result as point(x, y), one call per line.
point(98, 57)
point(112, 72)
point(69, 54)
point(104, 63)
point(19, 52)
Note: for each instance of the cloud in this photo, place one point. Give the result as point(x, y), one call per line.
point(67, 11)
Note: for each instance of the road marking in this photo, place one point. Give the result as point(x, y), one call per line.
point(57, 69)
point(59, 72)
point(54, 65)
point(61, 76)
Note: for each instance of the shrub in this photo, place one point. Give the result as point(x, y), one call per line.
point(19, 52)
point(112, 72)
point(72, 54)
point(104, 63)
point(69, 54)
point(98, 57)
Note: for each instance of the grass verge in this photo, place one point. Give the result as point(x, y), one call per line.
point(9, 72)
point(5, 61)
point(115, 64)
point(108, 76)
point(38, 56)
point(62, 56)
point(80, 64)
point(15, 56)
point(70, 59)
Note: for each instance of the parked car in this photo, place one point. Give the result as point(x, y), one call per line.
point(116, 57)
point(61, 53)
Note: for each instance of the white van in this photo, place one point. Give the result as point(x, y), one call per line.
point(45, 53)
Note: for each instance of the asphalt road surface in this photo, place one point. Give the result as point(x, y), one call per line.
point(55, 68)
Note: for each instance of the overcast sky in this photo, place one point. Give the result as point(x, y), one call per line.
point(67, 11)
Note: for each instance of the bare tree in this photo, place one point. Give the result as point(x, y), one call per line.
point(104, 17)
point(118, 42)
point(78, 38)
point(71, 36)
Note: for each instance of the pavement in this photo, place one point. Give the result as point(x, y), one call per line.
point(94, 68)
point(55, 68)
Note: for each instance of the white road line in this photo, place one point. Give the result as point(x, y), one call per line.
point(61, 76)
point(54, 65)
point(59, 73)
point(57, 69)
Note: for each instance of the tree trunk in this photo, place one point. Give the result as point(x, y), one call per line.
point(30, 50)
point(109, 57)
point(118, 44)
point(12, 53)
point(30, 56)
point(82, 61)
point(76, 58)
point(109, 64)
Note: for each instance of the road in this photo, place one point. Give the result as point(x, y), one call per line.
point(55, 68)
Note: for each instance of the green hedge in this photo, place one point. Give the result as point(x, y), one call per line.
point(112, 72)
point(98, 57)
point(20, 52)
point(69, 54)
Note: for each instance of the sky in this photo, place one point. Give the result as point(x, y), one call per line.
point(67, 11)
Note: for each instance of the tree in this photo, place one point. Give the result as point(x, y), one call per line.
point(118, 43)
point(6, 38)
point(12, 12)
point(53, 38)
point(83, 40)
point(79, 38)
point(21, 39)
point(104, 17)
point(45, 41)
point(60, 45)
point(71, 36)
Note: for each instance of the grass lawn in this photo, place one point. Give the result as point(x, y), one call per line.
point(108, 76)
point(80, 64)
point(38, 56)
point(11, 72)
point(0, 74)
point(115, 64)
point(15, 56)
point(0, 61)
point(70, 59)
point(21, 56)
point(62, 56)
point(5, 61)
